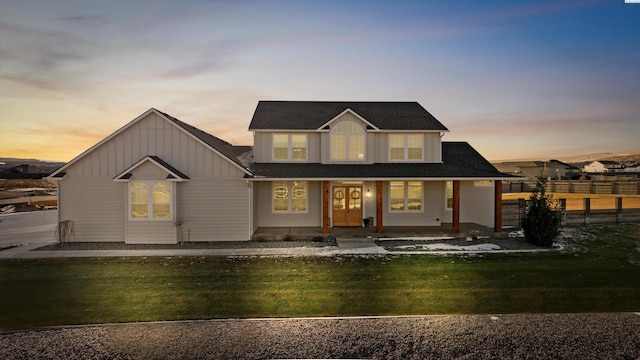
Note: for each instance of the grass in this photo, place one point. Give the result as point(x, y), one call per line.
point(599, 272)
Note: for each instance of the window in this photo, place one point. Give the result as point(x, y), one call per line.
point(290, 196)
point(347, 141)
point(405, 195)
point(150, 200)
point(405, 146)
point(289, 146)
point(448, 195)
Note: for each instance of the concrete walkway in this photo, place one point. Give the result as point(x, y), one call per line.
point(345, 247)
point(21, 233)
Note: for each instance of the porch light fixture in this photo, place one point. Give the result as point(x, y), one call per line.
point(368, 193)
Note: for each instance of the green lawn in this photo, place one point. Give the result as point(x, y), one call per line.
point(599, 272)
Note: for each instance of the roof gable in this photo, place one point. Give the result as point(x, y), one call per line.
point(173, 174)
point(218, 146)
point(312, 115)
point(342, 114)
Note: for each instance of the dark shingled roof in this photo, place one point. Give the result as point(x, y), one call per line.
point(169, 167)
point(460, 160)
point(223, 147)
point(310, 115)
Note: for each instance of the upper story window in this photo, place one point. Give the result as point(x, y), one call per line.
point(289, 147)
point(347, 142)
point(405, 146)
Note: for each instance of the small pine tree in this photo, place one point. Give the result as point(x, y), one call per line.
point(541, 223)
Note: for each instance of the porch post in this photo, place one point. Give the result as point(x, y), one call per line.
point(379, 203)
point(456, 206)
point(325, 207)
point(497, 217)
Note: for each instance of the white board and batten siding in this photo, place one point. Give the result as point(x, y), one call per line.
point(429, 216)
point(96, 205)
point(214, 209)
point(266, 217)
point(477, 203)
point(99, 206)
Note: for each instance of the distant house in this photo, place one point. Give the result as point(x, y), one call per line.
point(601, 166)
point(633, 167)
point(555, 169)
point(24, 171)
point(313, 164)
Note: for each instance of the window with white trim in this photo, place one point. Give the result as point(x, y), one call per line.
point(405, 146)
point(405, 196)
point(347, 142)
point(150, 200)
point(448, 195)
point(289, 146)
point(289, 196)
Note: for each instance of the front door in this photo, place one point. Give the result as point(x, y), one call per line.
point(347, 206)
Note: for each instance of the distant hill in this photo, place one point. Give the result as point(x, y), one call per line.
point(628, 156)
point(8, 163)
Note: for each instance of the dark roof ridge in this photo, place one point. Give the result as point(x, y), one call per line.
point(311, 115)
point(228, 150)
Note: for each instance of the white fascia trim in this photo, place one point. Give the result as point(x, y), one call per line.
point(244, 170)
point(131, 123)
point(348, 110)
point(283, 131)
point(385, 179)
point(114, 134)
point(176, 177)
point(415, 131)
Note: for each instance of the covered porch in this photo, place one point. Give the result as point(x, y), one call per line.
point(455, 227)
point(309, 233)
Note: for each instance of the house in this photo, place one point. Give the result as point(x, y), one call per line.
point(555, 169)
point(603, 166)
point(157, 180)
point(313, 164)
point(24, 171)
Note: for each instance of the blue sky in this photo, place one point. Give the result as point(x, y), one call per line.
point(515, 79)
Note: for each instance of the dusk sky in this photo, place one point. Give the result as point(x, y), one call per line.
point(516, 79)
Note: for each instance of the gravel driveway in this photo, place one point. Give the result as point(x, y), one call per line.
point(532, 336)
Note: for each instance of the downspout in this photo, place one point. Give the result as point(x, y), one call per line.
point(250, 184)
point(58, 208)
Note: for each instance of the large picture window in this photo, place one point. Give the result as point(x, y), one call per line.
point(289, 146)
point(290, 196)
point(150, 200)
point(347, 142)
point(405, 196)
point(405, 146)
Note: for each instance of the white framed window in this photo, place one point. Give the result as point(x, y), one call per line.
point(406, 196)
point(290, 196)
point(151, 200)
point(405, 147)
point(347, 142)
point(290, 147)
point(448, 195)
